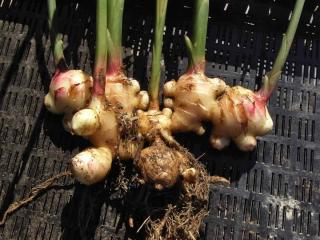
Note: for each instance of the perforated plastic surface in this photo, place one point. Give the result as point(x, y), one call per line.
point(275, 190)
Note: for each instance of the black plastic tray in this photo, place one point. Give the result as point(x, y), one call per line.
point(275, 189)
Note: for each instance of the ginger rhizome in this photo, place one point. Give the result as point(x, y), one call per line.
point(69, 90)
point(163, 162)
point(159, 163)
point(93, 107)
point(236, 113)
point(116, 98)
point(121, 92)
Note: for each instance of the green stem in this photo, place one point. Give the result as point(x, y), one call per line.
point(197, 45)
point(161, 10)
point(56, 38)
point(101, 46)
point(115, 16)
point(271, 78)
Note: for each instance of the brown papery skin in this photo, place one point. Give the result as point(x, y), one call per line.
point(160, 164)
point(236, 113)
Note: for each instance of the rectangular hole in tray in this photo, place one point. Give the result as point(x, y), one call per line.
point(261, 181)
point(22, 133)
point(295, 219)
point(235, 208)
point(252, 211)
point(299, 128)
point(272, 184)
point(313, 103)
point(279, 189)
point(220, 206)
point(227, 210)
point(303, 190)
point(296, 192)
point(244, 209)
point(15, 163)
point(318, 225)
point(310, 191)
point(6, 102)
point(301, 223)
point(274, 156)
point(311, 160)
point(6, 51)
point(1, 68)
point(283, 218)
point(269, 216)
point(2, 44)
point(276, 224)
point(7, 157)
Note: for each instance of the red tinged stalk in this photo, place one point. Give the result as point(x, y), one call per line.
point(96, 121)
point(114, 97)
point(254, 119)
point(98, 85)
point(121, 92)
point(193, 95)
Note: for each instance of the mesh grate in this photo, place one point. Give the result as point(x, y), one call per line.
point(275, 190)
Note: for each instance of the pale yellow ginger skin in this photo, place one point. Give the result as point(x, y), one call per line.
point(124, 93)
point(236, 113)
point(234, 120)
point(98, 123)
point(68, 91)
point(92, 165)
point(190, 98)
point(153, 122)
point(95, 117)
point(85, 122)
point(160, 164)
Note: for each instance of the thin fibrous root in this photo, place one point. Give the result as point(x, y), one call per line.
point(35, 191)
point(183, 218)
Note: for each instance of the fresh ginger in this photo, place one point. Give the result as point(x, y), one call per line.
point(93, 106)
point(161, 163)
point(236, 113)
point(116, 98)
point(124, 93)
point(69, 91)
point(192, 97)
point(241, 115)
